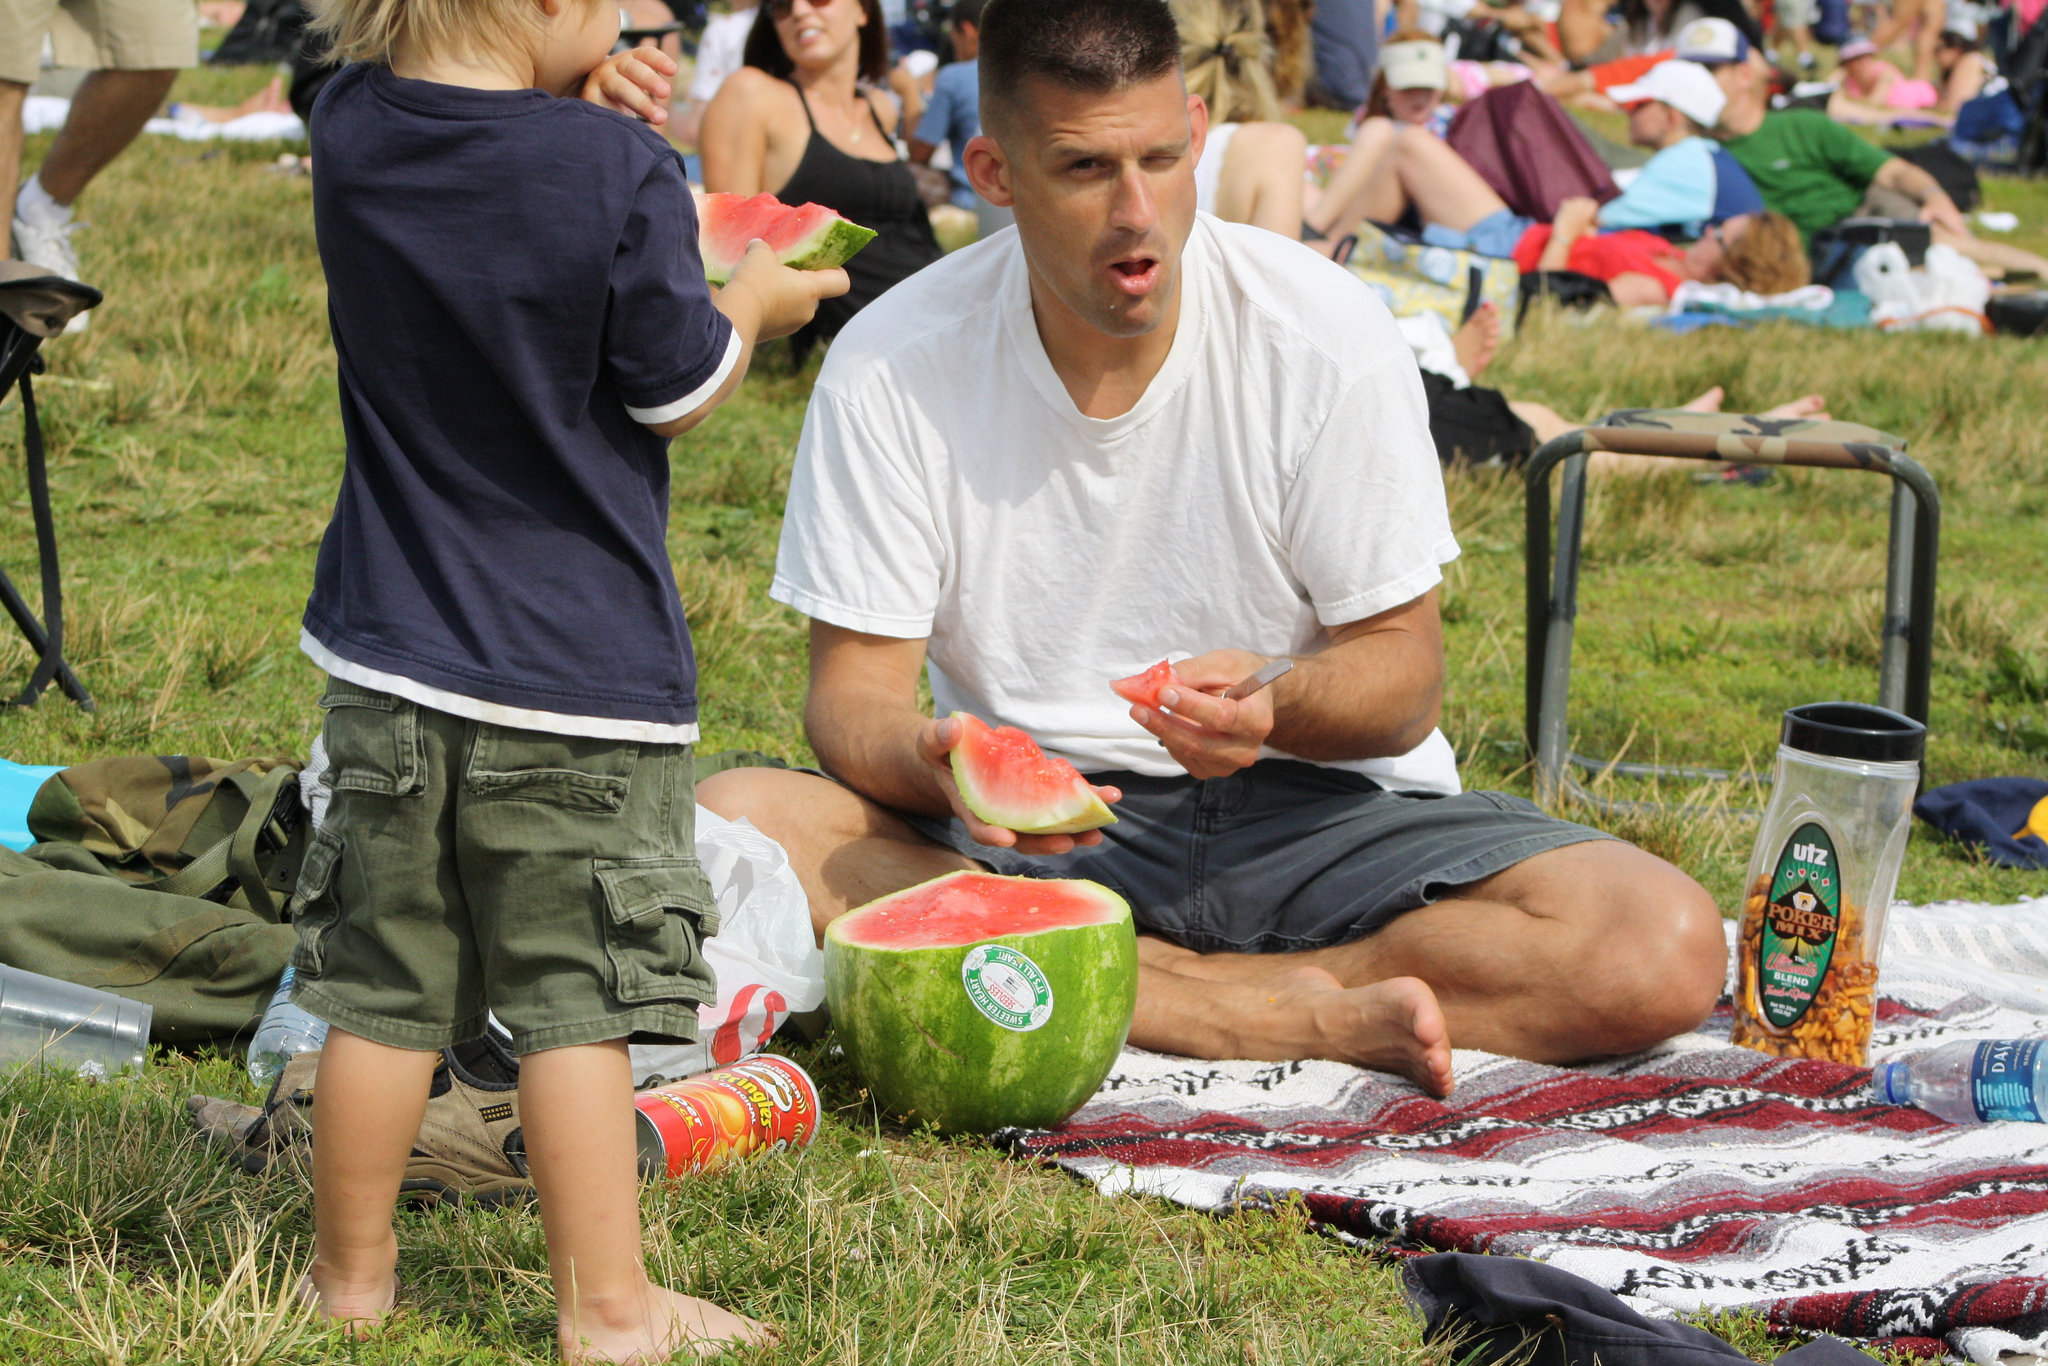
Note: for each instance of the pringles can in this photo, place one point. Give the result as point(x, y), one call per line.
point(764, 1104)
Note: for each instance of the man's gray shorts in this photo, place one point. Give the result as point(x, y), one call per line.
point(1284, 855)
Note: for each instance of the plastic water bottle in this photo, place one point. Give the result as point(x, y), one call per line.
point(285, 1031)
point(1970, 1082)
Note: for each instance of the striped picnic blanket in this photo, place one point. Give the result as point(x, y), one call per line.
point(1696, 1176)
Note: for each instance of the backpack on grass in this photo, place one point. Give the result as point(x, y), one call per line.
point(162, 879)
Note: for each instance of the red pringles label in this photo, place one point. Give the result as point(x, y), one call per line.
point(761, 1105)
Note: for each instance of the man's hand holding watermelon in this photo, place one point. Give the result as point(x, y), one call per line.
point(936, 741)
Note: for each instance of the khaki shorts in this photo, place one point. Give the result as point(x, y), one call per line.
point(465, 866)
point(116, 35)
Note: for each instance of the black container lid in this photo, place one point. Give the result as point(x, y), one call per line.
point(1854, 730)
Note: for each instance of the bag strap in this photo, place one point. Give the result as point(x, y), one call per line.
point(233, 860)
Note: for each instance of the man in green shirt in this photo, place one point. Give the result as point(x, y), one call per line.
point(1816, 171)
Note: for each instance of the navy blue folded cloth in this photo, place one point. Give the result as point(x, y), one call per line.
point(1505, 1308)
point(2008, 816)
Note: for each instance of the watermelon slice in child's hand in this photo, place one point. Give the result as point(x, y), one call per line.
point(807, 237)
point(1143, 689)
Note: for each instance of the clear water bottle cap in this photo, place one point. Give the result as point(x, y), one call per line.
point(1854, 730)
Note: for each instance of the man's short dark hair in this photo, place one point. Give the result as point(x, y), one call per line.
point(1097, 47)
point(967, 12)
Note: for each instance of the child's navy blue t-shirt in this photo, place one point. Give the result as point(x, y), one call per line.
point(514, 289)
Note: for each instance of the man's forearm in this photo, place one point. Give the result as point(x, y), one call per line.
point(1329, 708)
point(867, 739)
point(1903, 176)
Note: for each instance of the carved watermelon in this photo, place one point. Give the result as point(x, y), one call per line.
point(1143, 689)
point(1007, 780)
point(807, 237)
point(975, 1002)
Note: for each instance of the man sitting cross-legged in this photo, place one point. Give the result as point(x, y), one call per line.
point(1124, 430)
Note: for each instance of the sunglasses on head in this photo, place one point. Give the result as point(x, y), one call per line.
point(782, 9)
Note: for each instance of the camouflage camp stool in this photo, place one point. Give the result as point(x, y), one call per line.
point(1553, 589)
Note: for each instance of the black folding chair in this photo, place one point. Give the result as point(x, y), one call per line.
point(35, 306)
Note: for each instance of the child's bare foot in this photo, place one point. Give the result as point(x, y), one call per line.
point(656, 1329)
point(1477, 339)
point(359, 1309)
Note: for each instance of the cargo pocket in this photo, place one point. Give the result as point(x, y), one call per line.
point(313, 911)
point(657, 914)
point(372, 741)
point(566, 771)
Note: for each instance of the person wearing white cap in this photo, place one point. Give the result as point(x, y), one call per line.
point(1691, 181)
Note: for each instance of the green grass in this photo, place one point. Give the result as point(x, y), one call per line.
point(195, 452)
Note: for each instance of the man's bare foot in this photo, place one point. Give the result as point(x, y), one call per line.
point(1477, 339)
point(664, 1324)
point(359, 1309)
point(1811, 405)
point(1709, 402)
point(1391, 1026)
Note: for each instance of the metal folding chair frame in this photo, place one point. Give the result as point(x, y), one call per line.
point(1552, 600)
point(20, 357)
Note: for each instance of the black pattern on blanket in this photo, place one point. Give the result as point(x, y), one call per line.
point(1696, 1176)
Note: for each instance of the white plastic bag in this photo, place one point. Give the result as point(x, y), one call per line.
point(1947, 294)
point(765, 953)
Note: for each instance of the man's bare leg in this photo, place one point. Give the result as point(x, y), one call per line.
point(847, 851)
point(106, 114)
point(1587, 951)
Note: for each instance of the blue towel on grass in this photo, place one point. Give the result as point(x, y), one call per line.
point(2007, 816)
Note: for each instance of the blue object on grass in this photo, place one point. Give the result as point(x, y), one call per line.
point(2008, 816)
point(18, 785)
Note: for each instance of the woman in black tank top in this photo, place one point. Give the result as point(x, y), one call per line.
point(820, 50)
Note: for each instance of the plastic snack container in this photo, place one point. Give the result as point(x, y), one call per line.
point(1820, 882)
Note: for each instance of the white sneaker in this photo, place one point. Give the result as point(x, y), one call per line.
point(51, 249)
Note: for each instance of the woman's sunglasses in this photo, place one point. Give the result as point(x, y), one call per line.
point(782, 9)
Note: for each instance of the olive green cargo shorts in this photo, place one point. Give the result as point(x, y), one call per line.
point(550, 878)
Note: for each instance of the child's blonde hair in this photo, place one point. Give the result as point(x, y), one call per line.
point(1227, 58)
point(368, 30)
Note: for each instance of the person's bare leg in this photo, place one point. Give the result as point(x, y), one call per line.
point(1443, 186)
point(1262, 178)
point(12, 96)
point(1477, 340)
point(2000, 255)
point(1363, 185)
point(576, 1107)
point(367, 1111)
point(847, 851)
point(1588, 951)
point(106, 114)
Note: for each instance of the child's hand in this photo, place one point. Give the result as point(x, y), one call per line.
point(634, 82)
point(784, 299)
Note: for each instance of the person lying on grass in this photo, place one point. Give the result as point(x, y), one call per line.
point(522, 325)
point(1129, 430)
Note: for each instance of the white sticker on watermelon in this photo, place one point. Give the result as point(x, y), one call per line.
point(1007, 987)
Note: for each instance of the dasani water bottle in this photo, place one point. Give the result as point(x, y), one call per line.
point(286, 1030)
point(1971, 1081)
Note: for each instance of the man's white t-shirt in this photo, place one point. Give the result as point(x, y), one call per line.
point(720, 52)
point(1276, 479)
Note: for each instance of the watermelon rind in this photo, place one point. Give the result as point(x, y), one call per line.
point(928, 1054)
point(1075, 810)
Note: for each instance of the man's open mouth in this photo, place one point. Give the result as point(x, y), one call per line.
point(1135, 274)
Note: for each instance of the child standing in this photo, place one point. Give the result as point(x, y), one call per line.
point(521, 323)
